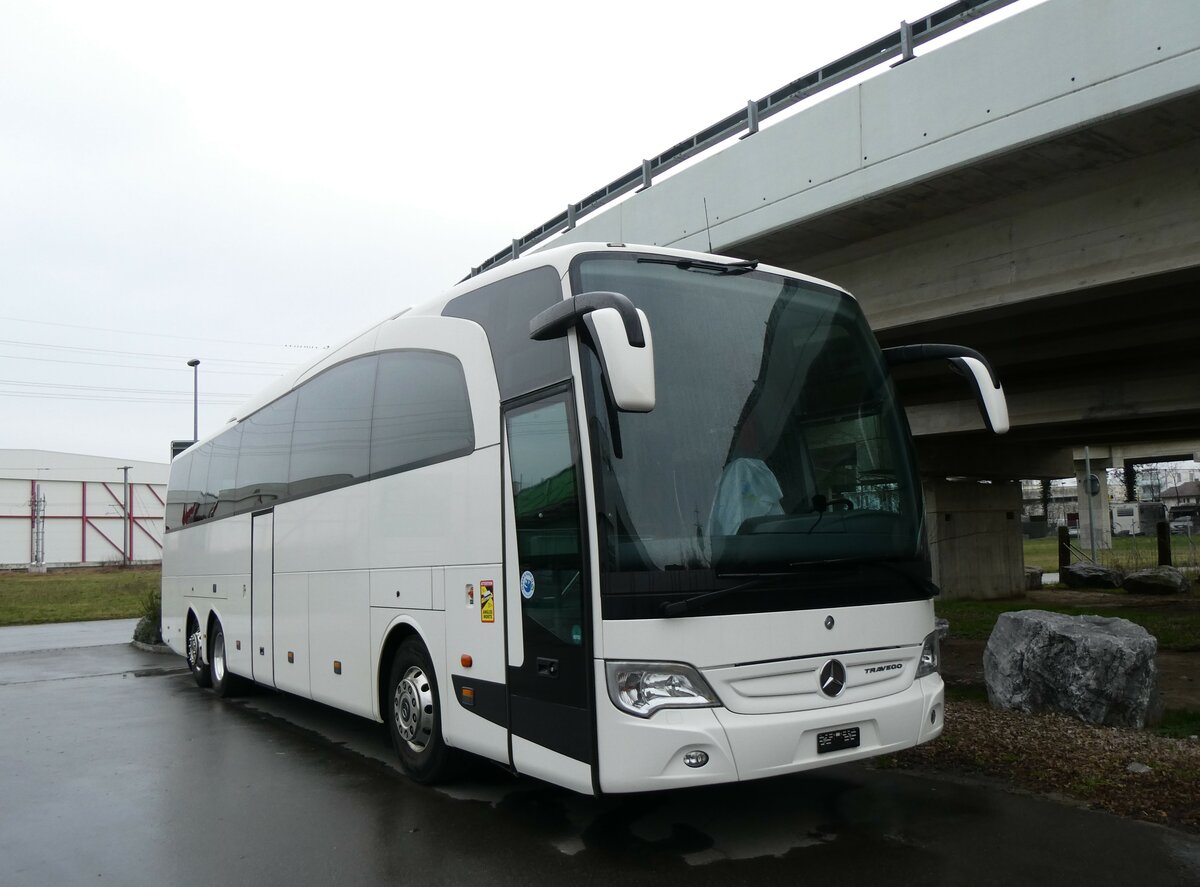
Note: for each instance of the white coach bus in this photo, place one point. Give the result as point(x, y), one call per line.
point(621, 518)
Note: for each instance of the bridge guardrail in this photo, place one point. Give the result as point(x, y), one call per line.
point(900, 43)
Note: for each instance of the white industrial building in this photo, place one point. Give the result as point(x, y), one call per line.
point(65, 509)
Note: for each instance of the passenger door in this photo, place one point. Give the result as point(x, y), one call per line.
point(549, 673)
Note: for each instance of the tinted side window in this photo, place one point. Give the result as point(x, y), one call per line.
point(222, 471)
point(262, 473)
point(178, 494)
point(198, 506)
point(332, 435)
point(422, 411)
point(504, 310)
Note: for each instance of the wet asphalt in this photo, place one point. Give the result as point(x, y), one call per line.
point(116, 769)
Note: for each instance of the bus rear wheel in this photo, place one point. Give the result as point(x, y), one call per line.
point(224, 682)
point(414, 715)
point(195, 660)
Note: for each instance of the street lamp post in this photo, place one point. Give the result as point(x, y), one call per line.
point(194, 363)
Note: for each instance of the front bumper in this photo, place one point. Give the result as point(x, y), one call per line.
point(639, 754)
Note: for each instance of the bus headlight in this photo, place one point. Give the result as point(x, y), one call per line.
point(642, 688)
point(930, 654)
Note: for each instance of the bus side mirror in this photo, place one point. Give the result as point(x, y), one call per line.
point(622, 336)
point(970, 364)
point(628, 369)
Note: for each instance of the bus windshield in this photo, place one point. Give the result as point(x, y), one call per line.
point(776, 464)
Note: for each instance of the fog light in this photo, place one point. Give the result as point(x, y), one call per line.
point(933, 715)
point(696, 758)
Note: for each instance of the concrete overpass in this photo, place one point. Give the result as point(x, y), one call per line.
point(1031, 190)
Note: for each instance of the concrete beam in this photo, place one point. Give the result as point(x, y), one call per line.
point(1134, 220)
point(991, 457)
point(1111, 397)
point(1154, 451)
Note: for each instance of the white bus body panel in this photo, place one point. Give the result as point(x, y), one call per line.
point(189, 586)
point(484, 643)
point(339, 605)
point(290, 636)
point(262, 599)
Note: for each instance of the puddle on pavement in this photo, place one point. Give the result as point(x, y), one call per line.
point(699, 826)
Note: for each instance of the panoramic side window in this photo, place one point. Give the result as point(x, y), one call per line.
point(331, 438)
point(262, 475)
point(422, 413)
point(222, 471)
point(198, 506)
point(178, 494)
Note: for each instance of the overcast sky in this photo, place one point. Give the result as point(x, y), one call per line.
point(245, 183)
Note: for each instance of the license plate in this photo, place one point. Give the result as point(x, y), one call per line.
point(836, 740)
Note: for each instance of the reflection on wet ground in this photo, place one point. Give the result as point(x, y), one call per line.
point(147, 779)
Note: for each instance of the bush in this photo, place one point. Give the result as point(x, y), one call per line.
point(149, 627)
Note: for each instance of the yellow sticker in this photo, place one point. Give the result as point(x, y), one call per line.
point(487, 602)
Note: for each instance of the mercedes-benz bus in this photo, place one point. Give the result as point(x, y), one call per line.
point(620, 518)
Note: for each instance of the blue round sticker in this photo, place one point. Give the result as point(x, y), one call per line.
point(527, 585)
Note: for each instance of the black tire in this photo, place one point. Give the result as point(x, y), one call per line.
point(224, 682)
point(195, 644)
point(414, 715)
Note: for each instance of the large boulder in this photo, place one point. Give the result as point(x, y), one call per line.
point(1097, 669)
point(1086, 575)
point(1157, 580)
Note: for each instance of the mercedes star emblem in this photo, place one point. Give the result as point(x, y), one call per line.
point(833, 678)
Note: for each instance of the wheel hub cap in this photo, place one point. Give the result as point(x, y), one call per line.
point(218, 663)
point(414, 708)
point(194, 649)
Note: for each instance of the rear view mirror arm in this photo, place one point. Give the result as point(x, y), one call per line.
point(902, 354)
point(989, 393)
point(560, 317)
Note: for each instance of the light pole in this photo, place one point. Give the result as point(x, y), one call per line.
point(125, 552)
point(194, 363)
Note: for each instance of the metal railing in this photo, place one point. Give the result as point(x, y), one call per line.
point(898, 44)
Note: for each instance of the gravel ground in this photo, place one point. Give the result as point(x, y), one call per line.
point(1104, 767)
point(1128, 772)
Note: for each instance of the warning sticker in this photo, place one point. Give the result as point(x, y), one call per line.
point(487, 602)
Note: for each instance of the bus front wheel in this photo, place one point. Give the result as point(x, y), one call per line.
point(195, 645)
point(414, 716)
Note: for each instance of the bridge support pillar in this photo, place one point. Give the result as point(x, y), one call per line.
point(975, 538)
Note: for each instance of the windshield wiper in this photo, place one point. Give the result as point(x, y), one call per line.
point(706, 267)
point(683, 607)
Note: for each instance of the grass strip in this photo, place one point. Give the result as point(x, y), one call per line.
point(1177, 630)
point(75, 595)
